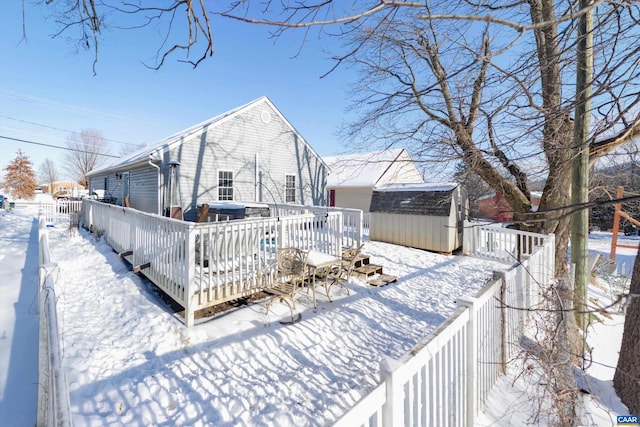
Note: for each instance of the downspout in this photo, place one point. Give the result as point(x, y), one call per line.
point(255, 184)
point(159, 207)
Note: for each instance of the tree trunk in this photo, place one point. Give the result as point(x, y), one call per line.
point(557, 133)
point(627, 377)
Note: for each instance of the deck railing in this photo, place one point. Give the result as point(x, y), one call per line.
point(491, 241)
point(352, 219)
point(203, 264)
point(445, 380)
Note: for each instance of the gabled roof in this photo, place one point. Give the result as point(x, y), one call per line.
point(154, 150)
point(431, 199)
point(360, 170)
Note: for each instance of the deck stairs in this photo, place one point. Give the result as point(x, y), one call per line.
point(371, 273)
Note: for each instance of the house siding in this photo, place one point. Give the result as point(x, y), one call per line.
point(255, 142)
point(143, 187)
point(232, 146)
point(354, 198)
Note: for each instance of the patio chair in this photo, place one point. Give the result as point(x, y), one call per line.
point(341, 275)
point(287, 277)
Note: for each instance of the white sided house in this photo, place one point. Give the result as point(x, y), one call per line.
point(251, 153)
point(353, 177)
point(423, 216)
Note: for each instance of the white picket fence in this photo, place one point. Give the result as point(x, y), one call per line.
point(60, 211)
point(445, 380)
point(53, 395)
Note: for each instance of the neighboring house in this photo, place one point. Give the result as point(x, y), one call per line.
point(495, 207)
point(423, 216)
point(251, 153)
point(59, 188)
point(353, 177)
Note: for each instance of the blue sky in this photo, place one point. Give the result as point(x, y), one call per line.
point(47, 87)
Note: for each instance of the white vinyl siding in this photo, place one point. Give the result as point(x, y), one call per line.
point(256, 143)
point(354, 198)
point(232, 145)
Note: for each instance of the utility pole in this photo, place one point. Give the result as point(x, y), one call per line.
point(580, 172)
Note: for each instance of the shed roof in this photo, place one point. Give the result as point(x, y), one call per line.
point(360, 170)
point(427, 199)
point(143, 155)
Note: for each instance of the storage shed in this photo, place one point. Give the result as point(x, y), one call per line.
point(424, 216)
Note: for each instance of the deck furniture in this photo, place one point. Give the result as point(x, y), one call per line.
point(320, 265)
point(287, 277)
point(342, 275)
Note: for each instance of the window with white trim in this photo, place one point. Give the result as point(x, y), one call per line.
point(290, 188)
point(225, 185)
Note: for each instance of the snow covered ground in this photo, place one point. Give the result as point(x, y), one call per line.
point(130, 361)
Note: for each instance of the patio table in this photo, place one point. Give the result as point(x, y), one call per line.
point(317, 262)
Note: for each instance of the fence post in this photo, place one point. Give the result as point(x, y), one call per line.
point(466, 238)
point(190, 260)
point(550, 256)
point(472, 358)
point(392, 410)
point(500, 275)
point(360, 228)
point(340, 234)
point(282, 241)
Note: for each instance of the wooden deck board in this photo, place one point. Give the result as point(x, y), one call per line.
point(382, 280)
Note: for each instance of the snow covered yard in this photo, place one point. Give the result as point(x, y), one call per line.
point(18, 317)
point(517, 397)
point(130, 361)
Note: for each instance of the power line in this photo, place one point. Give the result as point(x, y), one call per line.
point(34, 99)
point(57, 146)
point(60, 129)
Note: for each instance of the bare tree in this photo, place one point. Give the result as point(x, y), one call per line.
point(49, 173)
point(185, 23)
point(490, 83)
point(86, 151)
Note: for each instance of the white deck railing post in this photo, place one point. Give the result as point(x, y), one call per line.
point(472, 358)
point(466, 231)
point(393, 408)
point(190, 259)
